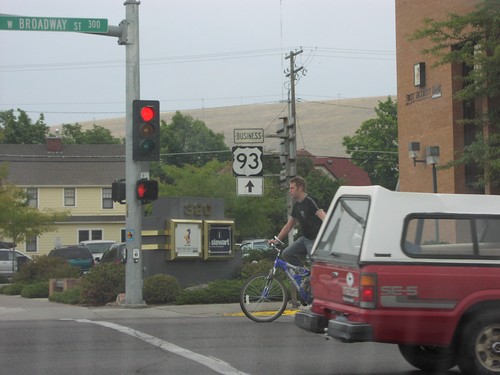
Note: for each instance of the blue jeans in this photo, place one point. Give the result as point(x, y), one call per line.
point(298, 251)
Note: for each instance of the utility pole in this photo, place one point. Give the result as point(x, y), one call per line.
point(289, 142)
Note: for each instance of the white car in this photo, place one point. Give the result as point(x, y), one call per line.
point(248, 246)
point(6, 261)
point(98, 247)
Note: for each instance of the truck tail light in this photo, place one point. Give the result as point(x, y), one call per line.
point(368, 291)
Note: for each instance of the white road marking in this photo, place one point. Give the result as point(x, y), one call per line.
point(214, 363)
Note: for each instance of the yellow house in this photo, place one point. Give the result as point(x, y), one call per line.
point(74, 178)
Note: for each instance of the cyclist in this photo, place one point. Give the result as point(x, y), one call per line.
point(306, 211)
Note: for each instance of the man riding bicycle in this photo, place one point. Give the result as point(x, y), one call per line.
point(306, 211)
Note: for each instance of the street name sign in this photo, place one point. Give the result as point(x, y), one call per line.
point(248, 136)
point(250, 186)
point(79, 25)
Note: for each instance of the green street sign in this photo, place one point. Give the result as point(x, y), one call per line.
point(78, 25)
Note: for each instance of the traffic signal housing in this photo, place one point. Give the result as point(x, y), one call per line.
point(118, 191)
point(146, 130)
point(146, 191)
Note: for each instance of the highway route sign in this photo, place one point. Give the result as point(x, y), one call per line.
point(247, 161)
point(248, 136)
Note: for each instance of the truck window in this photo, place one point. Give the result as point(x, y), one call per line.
point(343, 234)
point(451, 236)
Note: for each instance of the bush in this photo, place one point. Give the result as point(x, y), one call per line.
point(255, 268)
point(218, 291)
point(102, 284)
point(70, 296)
point(3, 280)
point(160, 289)
point(43, 268)
point(36, 290)
point(12, 289)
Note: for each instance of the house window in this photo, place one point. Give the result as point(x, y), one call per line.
point(107, 201)
point(86, 234)
point(31, 245)
point(32, 194)
point(69, 197)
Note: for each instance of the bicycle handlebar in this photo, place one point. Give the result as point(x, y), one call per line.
point(277, 239)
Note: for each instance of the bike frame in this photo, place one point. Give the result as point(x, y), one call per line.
point(290, 271)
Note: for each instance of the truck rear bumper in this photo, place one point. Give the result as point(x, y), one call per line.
point(311, 322)
point(342, 330)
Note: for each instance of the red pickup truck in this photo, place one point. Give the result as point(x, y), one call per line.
point(418, 270)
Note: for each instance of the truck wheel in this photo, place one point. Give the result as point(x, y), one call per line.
point(480, 345)
point(428, 358)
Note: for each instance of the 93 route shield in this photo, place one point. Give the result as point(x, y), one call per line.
point(247, 161)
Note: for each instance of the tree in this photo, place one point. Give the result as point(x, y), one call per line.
point(472, 41)
point(20, 129)
point(254, 216)
point(73, 134)
point(374, 146)
point(189, 141)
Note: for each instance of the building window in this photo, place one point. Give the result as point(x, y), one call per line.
point(89, 234)
point(107, 201)
point(31, 245)
point(32, 194)
point(69, 197)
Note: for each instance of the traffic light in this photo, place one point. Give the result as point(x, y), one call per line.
point(118, 191)
point(146, 130)
point(146, 190)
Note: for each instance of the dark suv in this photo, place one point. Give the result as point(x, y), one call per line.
point(76, 255)
point(117, 254)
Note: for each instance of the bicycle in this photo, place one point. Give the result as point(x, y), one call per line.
point(264, 297)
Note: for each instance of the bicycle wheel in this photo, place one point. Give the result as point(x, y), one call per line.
point(263, 299)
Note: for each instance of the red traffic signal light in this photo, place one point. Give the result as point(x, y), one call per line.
point(147, 190)
point(146, 130)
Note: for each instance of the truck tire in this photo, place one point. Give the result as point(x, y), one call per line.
point(479, 346)
point(428, 358)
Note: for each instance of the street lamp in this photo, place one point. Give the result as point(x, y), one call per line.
point(431, 158)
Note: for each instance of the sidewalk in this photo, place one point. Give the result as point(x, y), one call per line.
point(19, 308)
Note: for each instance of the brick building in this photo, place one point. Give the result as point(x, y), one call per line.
point(427, 112)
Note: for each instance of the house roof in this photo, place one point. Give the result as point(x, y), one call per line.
point(66, 165)
point(340, 168)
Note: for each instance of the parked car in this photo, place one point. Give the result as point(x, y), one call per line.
point(116, 253)
point(98, 247)
point(76, 255)
point(414, 269)
point(6, 261)
point(255, 246)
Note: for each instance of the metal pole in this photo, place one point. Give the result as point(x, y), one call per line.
point(434, 178)
point(133, 278)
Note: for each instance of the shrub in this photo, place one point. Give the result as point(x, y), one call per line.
point(36, 290)
point(102, 284)
point(254, 268)
point(70, 296)
point(12, 289)
point(43, 268)
point(160, 289)
point(218, 291)
point(3, 280)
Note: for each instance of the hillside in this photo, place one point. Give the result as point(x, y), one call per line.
point(321, 125)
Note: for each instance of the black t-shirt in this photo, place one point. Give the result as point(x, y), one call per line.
point(305, 213)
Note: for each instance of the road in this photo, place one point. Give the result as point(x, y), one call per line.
point(40, 337)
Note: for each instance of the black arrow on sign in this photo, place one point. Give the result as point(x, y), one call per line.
point(250, 185)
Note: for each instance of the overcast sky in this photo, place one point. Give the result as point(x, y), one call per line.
point(197, 54)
